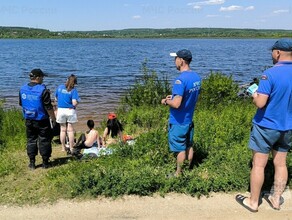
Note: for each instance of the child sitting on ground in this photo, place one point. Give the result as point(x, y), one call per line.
point(89, 141)
point(113, 130)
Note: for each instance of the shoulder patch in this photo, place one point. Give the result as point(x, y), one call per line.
point(264, 77)
point(177, 82)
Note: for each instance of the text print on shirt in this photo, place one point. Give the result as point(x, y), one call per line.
point(196, 87)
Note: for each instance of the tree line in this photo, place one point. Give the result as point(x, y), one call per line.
point(32, 33)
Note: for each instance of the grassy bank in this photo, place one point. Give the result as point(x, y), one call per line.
point(222, 126)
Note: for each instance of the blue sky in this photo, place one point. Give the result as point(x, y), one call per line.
point(86, 15)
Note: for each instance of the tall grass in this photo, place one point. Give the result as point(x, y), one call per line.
point(222, 126)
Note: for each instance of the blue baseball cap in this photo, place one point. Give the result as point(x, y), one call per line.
point(284, 44)
point(184, 54)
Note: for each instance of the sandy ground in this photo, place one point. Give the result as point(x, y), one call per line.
point(172, 206)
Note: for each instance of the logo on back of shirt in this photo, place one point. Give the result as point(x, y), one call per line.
point(196, 87)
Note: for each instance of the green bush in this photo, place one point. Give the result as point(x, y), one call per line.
point(223, 127)
point(149, 89)
point(218, 89)
point(144, 118)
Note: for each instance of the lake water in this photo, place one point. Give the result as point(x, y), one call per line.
point(107, 67)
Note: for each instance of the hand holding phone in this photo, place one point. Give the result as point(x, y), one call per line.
point(252, 89)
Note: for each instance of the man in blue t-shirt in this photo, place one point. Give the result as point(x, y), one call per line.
point(272, 127)
point(182, 102)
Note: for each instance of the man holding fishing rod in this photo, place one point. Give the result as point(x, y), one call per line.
point(272, 128)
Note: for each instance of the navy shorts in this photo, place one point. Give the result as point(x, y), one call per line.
point(263, 140)
point(180, 137)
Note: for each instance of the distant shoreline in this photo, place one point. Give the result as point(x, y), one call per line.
point(143, 33)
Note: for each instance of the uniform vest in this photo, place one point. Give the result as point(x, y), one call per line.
point(31, 100)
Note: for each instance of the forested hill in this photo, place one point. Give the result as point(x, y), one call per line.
point(23, 32)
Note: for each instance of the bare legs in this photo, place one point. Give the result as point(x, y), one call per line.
point(181, 157)
point(257, 176)
point(63, 134)
point(67, 129)
point(280, 177)
point(70, 132)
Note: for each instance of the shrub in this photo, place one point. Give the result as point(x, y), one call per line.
point(144, 118)
point(223, 127)
point(218, 89)
point(149, 89)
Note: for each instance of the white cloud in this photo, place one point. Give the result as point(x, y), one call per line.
point(213, 2)
point(280, 11)
point(136, 17)
point(249, 8)
point(208, 2)
point(231, 8)
point(197, 7)
point(212, 16)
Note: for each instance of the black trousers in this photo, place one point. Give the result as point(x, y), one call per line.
point(39, 137)
point(80, 143)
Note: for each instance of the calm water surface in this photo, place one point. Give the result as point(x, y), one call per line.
point(107, 67)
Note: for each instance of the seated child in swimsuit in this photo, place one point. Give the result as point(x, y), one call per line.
point(89, 141)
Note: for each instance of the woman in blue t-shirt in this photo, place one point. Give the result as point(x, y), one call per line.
point(67, 97)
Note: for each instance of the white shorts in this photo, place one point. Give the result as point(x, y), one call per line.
point(65, 115)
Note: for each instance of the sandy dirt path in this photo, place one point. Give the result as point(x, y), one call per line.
point(172, 206)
